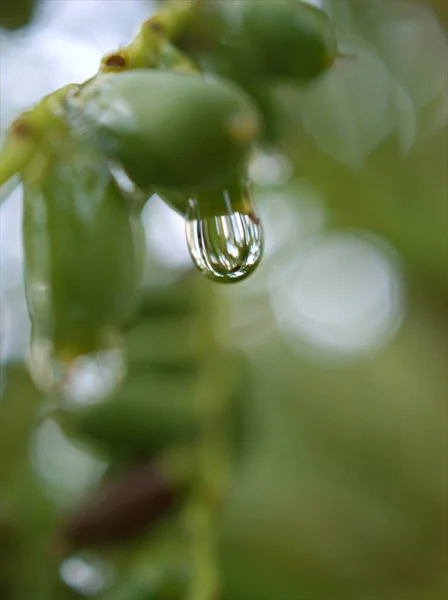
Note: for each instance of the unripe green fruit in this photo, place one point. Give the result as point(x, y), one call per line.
point(84, 254)
point(259, 41)
point(170, 129)
point(140, 419)
point(16, 14)
point(286, 39)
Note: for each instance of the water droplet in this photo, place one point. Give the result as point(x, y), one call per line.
point(226, 248)
point(82, 379)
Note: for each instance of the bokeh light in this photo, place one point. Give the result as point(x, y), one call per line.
point(343, 296)
point(86, 574)
point(66, 469)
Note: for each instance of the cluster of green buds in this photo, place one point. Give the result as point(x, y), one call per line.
point(175, 113)
point(170, 440)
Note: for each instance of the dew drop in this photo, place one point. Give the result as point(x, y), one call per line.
point(226, 248)
point(82, 379)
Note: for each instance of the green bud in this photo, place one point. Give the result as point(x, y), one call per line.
point(288, 39)
point(170, 129)
point(83, 244)
point(142, 418)
point(273, 39)
point(17, 14)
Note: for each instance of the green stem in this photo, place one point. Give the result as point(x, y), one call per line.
point(152, 47)
point(213, 395)
point(29, 132)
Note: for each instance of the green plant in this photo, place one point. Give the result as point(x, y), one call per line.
point(137, 115)
point(334, 487)
point(180, 118)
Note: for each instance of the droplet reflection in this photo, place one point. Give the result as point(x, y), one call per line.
point(226, 248)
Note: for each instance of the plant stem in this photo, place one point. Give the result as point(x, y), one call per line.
point(213, 395)
point(28, 133)
point(152, 47)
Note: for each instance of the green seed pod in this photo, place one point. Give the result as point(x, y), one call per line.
point(17, 14)
point(144, 417)
point(273, 39)
point(83, 244)
point(170, 129)
point(286, 39)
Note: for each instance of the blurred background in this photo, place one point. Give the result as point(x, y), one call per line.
point(333, 446)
